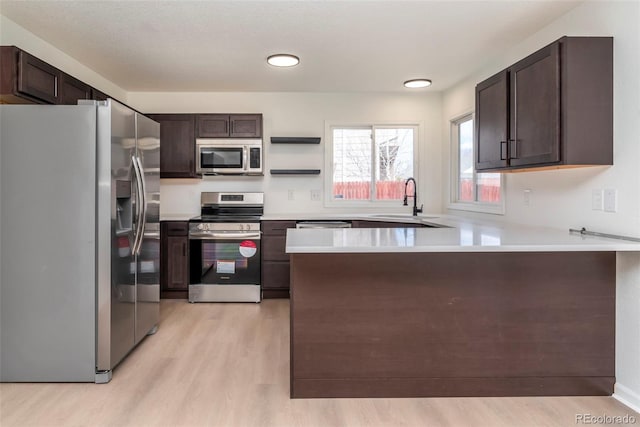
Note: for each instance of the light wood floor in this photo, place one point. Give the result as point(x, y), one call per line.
point(228, 365)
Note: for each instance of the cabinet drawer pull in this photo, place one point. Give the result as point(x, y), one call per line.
point(513, 148)
point(503, 150)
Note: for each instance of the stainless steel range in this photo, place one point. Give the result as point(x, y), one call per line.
point(224, 248)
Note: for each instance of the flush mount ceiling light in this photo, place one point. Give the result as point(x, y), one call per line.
point(283, 60)
point(417, 83)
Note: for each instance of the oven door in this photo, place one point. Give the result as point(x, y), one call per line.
point(221, 159)
point(224, 258)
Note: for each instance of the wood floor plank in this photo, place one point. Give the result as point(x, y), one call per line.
point(227, 365)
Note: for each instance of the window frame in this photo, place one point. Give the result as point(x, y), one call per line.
point(454, 200)
point(329, 201)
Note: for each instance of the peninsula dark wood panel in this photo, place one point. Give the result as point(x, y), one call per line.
point(452, 324)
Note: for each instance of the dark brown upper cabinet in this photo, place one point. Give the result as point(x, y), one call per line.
point(492, 121)
point(213, 125)
point(245, 126)
point(27, 79)
point(553, 109)
point(72, 89)
point(177, 145)
point(97, 95)
point(229, 126)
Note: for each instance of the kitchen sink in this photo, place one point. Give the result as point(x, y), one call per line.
point(408, 218)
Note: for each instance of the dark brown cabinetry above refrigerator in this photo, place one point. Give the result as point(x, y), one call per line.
point(229, 126)
point(72, 89)
point(553, 109)
point(25, 79)
point(178, 145)
point(174, 259)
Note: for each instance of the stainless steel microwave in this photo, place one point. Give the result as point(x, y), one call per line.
point(229, 156)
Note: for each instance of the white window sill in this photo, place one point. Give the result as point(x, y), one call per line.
point(478, 207)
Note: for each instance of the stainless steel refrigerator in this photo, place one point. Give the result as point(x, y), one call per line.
point(80, 239)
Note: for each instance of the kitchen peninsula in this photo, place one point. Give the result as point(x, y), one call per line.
point(469, 309)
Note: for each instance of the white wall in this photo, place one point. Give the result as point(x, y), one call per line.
point(12, 34)
point(301, 114)
point(562, 198)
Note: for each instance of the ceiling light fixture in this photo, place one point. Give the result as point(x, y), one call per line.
point(283, 60)
point(417, 83)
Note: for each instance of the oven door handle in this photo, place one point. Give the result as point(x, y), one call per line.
point(229, 236)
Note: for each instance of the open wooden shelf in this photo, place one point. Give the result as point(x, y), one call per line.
point(294, 140)
point(295, 171)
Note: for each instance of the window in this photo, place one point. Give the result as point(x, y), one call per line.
point(470, 190)
point(370, 163)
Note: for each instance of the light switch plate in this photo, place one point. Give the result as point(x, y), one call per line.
point(527, 197)
point(610, 200)
point(316, 195)
point(597, 199)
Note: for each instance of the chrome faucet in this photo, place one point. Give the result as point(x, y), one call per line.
point(415, 197)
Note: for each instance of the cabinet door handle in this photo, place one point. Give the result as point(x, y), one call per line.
point(184, 249)
point(233, 127)
point(226, 126)
point(503, 150)
point(513, 148)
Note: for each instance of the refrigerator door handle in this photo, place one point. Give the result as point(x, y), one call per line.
point(139, 207)
point(144, 203)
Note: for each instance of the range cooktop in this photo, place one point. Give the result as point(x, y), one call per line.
point(225, 218)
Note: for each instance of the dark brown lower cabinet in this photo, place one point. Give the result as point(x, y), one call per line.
point(174, 259)
point(275, 261)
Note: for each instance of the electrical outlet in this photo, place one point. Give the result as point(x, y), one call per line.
point(291, 195)
point(597, 199)
point(315, 195)
point(610, 200)
point(527, 197)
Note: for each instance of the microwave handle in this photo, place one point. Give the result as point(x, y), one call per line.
point(245, 157)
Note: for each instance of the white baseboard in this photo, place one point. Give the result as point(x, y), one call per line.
point(627, 397)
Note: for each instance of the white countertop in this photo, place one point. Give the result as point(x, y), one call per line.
point(176, 217)
point(462, 235)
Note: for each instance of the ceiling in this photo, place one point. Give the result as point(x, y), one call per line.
point(344, 46)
